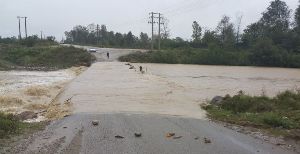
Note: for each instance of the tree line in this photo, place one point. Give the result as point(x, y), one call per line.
point(100, 36)
point(273, 40)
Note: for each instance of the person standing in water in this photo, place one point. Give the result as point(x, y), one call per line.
point(107, 54)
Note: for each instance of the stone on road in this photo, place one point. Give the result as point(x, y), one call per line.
point(115, 135)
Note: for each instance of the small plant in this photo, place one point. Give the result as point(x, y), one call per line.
point(8, 124)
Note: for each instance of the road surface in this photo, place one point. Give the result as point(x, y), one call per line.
point(126, 102)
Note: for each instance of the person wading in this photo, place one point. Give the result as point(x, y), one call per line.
point(107, 54)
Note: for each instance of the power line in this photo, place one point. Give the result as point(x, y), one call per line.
point(152, 22)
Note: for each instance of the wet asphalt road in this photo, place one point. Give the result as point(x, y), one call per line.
point(76, 134)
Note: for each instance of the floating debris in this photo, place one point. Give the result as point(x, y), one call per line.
point(138, 134)
point(119, 137)
point(95, 122)
point(207, 141)
point(170, 135)
point(177, 137)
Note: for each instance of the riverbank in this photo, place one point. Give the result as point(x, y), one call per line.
point(32, 90)
point(28, 101)
point(278, 117)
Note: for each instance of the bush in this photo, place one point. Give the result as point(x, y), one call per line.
point(274, 120)
point(280, 113)
point(8, 124)
point(47, 57)
point(243, 103)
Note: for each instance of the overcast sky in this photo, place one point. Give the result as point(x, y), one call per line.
point(56, 16)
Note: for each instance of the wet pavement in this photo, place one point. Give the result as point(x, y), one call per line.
point(77, 134)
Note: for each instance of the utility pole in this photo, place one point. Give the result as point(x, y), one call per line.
point(159, 23)
point(152, 22)
point(97, 34)
point(19, 18)
point(25, 26)
point(41, 35)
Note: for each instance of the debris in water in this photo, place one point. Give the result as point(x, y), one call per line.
point(137, 134)
point(119, 137)
point(206, 140)
point(68, 101)
point(65, 127)
point(196, 138)
point(170, 135)
point(95, 122)
point(177, 137)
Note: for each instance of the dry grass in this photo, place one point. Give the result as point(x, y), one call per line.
point(36, 91)
point(34, 107)
point(8, 101)
point(57, 110)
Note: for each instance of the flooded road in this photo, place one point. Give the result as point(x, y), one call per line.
point(164, 99)
point(208, 81)
point(109, 86)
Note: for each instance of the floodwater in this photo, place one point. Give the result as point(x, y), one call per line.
point(209, 81)
point(32, 90)
point(11, 81)
point(111, 87)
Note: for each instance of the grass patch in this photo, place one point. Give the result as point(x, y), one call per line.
point(278, 115)
point(10, 126)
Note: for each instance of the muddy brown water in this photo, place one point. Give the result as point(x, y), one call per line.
point(111, 87)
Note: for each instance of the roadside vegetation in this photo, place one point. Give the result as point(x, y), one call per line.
point(32, 53)
point(279, 115)
point(10, 126)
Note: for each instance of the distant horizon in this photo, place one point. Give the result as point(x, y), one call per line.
point(121, 16)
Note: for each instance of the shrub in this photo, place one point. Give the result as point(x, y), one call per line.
point(8, 124)
point(274, 120)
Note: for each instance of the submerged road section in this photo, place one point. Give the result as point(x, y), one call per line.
point(117, 110)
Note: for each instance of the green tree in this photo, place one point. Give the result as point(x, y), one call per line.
point(209, 37)
point(252, 33)
point(266, 53)
point(297, 19)
point(277, 16)
point(197, 32)
point(276, 23)
point(129, 39)
point(144, 40)
point(226, 34)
